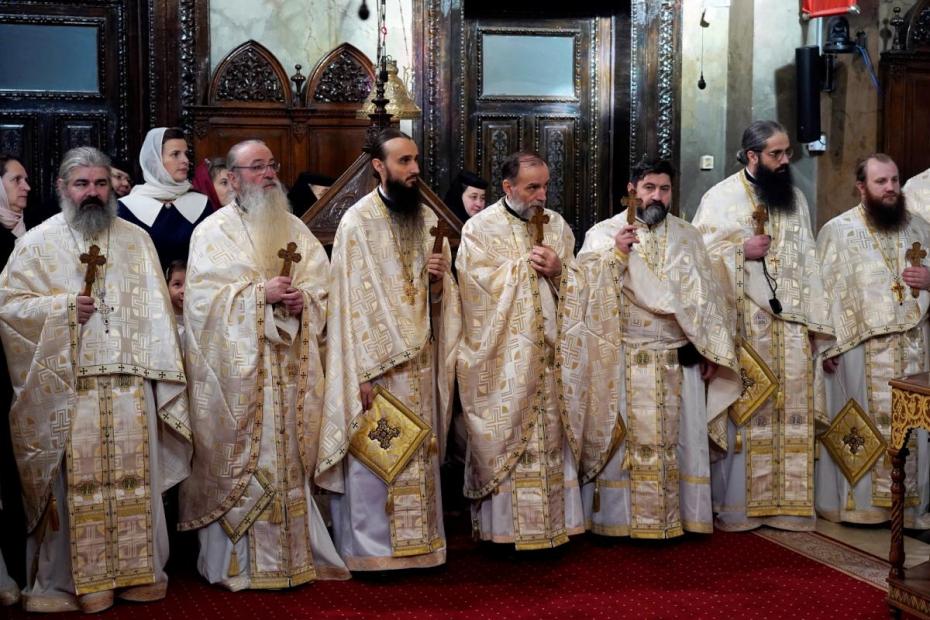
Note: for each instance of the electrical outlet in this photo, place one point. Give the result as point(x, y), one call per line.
point(707, 162)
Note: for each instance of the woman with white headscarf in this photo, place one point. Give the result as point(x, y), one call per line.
point(164, 206)
point(14, 191)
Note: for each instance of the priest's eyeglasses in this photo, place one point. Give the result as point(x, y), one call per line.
point(260, 168)
point(776, 155)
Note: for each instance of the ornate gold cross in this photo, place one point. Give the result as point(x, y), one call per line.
point(632, 202)
point(539, 220)
point(914, 256)
point(93, 258)
point(898, 289)
point(384, 433)
point(290, 255)
point(853, 440)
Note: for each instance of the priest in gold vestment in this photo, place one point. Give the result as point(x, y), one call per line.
point(657, 328)
point(99, 423)
point(756, 227)
point(917, 193)
point(519, 364)
point(877, 282)
point(254, 312)
point(380, 336)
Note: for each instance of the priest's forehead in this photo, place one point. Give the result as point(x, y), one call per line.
point(89, 174)
point(252, 153)
point(398, 148)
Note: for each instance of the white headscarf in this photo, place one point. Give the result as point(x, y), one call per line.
point(10, 218)
point(158, 183)
point(145, 201)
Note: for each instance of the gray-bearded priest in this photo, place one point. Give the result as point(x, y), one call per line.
point(99, 423)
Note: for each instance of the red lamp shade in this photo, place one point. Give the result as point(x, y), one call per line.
point(822, 8)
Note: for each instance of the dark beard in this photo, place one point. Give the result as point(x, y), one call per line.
point(775, 189)
point(886, 219)
point(653, 214)
point(403, 201)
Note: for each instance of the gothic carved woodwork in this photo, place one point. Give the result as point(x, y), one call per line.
point(250, 74)
point(905, 78)
point(345, 75)
point(497, 136)
point(251, 96)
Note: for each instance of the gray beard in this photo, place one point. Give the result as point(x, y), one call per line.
point(520, 208)
point(653, 214)
point(266, 215)
point(89, 220)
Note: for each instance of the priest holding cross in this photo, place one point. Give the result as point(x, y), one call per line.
point(390, 275)
point(870, 254)
point(255, 307)
point(519, 364)
point(100, 424)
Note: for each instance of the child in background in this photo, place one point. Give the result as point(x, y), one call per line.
point(175, 274)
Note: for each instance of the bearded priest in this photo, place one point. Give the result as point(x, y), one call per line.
point(254, 312)
point(873, 259)
point(756, 226)
point(393, 329)
point(100, 421)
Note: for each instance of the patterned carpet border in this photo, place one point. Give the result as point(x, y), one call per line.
point(839, 556)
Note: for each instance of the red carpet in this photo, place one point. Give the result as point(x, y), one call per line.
point(721, 576)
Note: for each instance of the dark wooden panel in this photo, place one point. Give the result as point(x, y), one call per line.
point(556, 141)
point(498, 137)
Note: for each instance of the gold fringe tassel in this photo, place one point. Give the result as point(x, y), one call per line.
point(596, 504)
point(233, 564)
point(389, 504)
point(850, 500)
point(277, 511)
point(739, 441)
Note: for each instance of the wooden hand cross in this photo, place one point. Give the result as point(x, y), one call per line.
point(632, 203)
point(538, 220)
point(290, 255)
point(92, 258)
point(914, 256)
point(439, 231)
point(759, 217)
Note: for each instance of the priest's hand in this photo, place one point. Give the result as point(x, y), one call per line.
point(756, 247)
point(437, 265)
point(367, 394)
point(708, 369)
point(275, 288)
point(830, 364)
point(545, 261)
point(625, 238)
point(917, 277)
point(85, 308)
point(293, 301)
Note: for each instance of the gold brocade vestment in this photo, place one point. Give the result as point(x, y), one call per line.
point(256, 396)
point(647, 423)
point(774, 449)
point(520, 361)
point(878, 338)
point(86, 396)
point(379, 331)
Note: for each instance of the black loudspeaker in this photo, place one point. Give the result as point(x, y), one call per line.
point(807, 86)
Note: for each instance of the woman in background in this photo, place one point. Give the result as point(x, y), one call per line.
point(466, 195)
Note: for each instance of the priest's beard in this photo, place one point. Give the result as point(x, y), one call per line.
point(91, 217)
point(267, 216)
point(404, 208)
point(653, 213)
point(775, 189)
point(883, 217)
point(524, 209)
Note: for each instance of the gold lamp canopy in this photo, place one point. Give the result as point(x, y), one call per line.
point(399, 105)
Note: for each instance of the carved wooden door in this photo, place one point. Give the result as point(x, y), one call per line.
point(542, 85)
